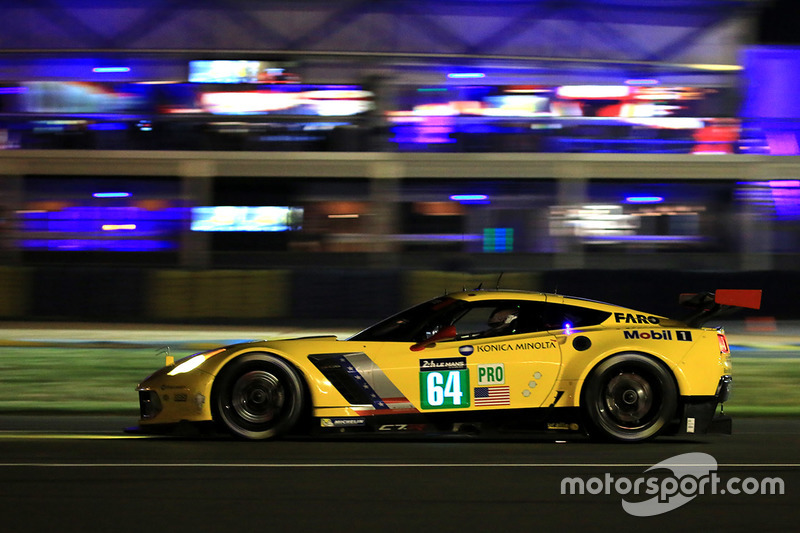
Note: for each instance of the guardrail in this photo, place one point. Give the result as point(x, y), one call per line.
point(390, 165)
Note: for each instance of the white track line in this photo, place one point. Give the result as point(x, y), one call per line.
point(380, 465)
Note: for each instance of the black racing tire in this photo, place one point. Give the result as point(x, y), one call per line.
point(629, 398)
point(258, 396)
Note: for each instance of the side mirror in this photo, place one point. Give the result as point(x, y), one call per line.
point(445, 334)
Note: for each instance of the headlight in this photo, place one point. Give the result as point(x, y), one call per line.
point(191, 363)
point(188, 365)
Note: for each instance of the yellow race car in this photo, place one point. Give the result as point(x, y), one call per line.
point(474, 361)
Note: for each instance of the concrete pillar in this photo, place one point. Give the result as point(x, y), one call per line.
point(572, 189)
point(385, 197)
point(756, 230)
point(197, 178)
point(11, 200)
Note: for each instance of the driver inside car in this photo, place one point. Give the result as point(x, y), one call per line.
point(502, 321)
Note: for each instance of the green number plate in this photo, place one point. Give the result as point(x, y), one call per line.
point(444, 389)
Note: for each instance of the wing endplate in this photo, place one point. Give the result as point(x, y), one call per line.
point(750, 299)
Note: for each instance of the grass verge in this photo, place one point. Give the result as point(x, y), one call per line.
point(74, 379)
point(765, 386)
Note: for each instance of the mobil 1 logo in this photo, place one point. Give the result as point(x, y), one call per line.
point(659, 335)
point(442, 383)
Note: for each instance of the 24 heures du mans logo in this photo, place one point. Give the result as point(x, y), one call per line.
point(445, 363)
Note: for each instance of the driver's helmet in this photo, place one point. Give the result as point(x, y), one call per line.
point(502, 317)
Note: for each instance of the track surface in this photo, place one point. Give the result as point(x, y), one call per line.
point(83, 474)
point(71, 474)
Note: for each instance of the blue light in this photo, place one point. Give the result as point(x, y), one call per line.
point(112, 229)
point(568, 328)
point(107, 126)
point(111, 69)
point(641, 81)
point(111, 194)
point(644, 199)
point(466, 75)
point(468, 197)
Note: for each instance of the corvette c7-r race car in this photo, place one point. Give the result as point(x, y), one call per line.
point(467, 362)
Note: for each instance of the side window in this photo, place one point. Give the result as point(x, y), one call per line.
point(500, 317)
point(559, 315)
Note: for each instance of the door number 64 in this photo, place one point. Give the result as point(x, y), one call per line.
point(444, 389)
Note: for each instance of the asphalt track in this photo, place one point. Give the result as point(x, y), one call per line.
point(85, 474)
point(79, 474)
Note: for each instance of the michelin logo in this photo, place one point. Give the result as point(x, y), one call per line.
point(341, 422)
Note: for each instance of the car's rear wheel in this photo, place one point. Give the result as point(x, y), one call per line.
point(258, 396)
point(629, 398)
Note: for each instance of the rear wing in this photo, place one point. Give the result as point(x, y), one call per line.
point(721, 302)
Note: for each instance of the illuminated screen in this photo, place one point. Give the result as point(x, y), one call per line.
point(238, 71)
point(570, 118)
point(319, 100)
point(246, 218)
point(75, 97)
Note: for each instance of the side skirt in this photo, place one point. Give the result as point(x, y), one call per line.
point(501, 421)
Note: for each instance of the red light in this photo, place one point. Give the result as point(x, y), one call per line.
point(723, 344)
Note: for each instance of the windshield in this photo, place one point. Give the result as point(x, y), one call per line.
point(414, 324)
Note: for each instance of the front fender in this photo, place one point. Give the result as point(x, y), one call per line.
point(322, 393)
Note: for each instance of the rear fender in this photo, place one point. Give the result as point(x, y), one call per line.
point(676, 372)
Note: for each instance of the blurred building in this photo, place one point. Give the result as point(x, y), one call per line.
point(469, 136)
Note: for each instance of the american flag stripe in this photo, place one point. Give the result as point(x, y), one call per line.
point(492, 395)
point(398, 406)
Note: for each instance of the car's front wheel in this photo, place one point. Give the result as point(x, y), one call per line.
point(629, 398)
point(258, 396)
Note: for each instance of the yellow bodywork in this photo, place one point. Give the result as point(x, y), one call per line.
point(535, 367)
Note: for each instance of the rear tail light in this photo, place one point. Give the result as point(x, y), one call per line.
point(723, 344)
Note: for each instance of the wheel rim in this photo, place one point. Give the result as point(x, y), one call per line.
point(629, 399)
point(257, 397)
